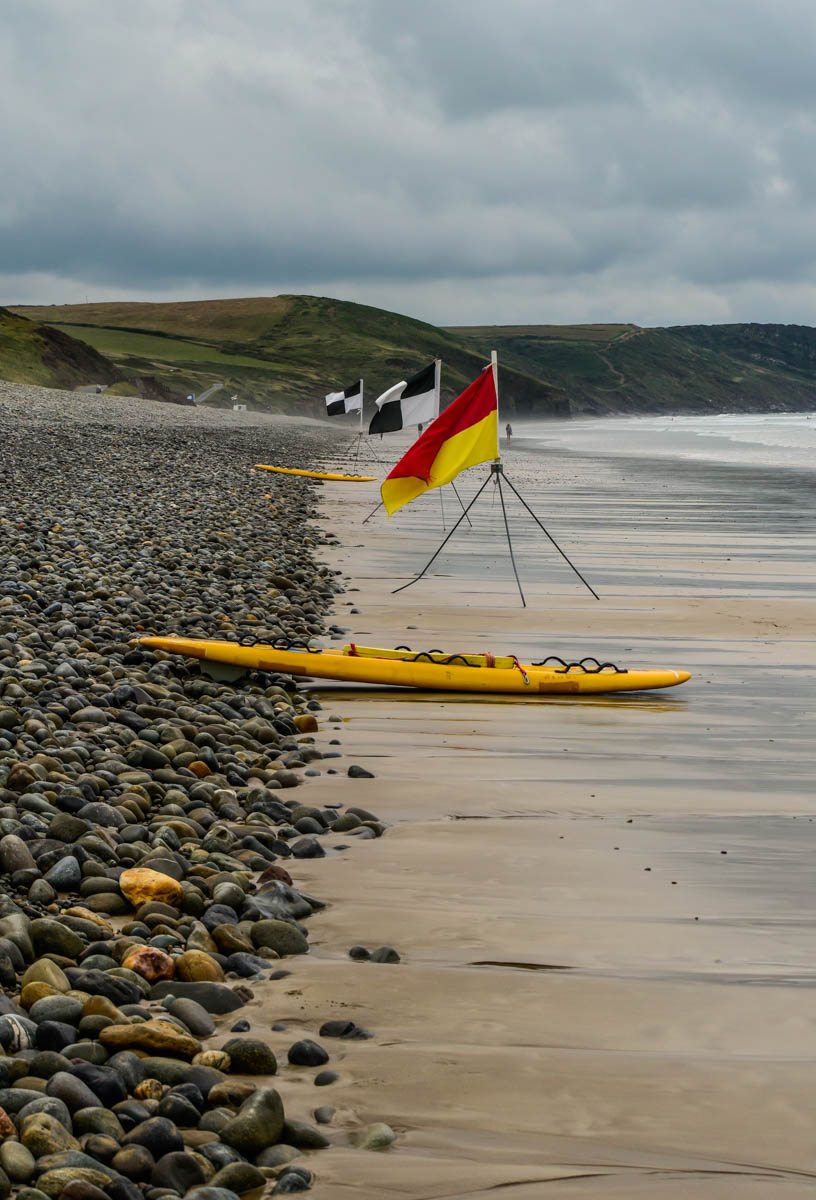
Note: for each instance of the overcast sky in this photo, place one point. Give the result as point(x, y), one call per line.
point(463, 161)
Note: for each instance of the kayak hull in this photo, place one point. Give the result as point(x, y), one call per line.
point(524, 680)
point(318, 474)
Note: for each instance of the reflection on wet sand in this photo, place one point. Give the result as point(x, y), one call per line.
point(603, 904)
point(340, 695)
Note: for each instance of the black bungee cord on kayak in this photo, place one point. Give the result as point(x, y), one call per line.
point(439, 658)
point(582, 664)
point(596, 670)
point(279, 643)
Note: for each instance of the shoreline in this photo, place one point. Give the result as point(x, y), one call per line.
point(694, 441)
point(639, 462)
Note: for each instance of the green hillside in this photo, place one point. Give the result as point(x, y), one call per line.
point(36, 354)
point(285, 352)
point(688, 368)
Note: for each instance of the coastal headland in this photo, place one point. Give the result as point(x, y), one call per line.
point(277, 352)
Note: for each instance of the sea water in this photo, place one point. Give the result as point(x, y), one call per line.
point(741, 439)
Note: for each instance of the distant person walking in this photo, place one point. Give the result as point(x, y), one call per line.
point(508, 432)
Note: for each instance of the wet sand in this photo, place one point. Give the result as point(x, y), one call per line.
point(604, 907)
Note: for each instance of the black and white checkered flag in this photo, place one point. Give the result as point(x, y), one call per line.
point(411, 402)
point(351, 400)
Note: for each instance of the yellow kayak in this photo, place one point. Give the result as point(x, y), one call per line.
point(431, 671)
point(318, 474)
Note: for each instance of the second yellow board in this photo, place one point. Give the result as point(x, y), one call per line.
point(318, 474)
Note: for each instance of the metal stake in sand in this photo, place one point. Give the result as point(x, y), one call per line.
point(447, 539)
point(496, 469)
point(377, 508)
point(552, 539)
point(360, 441)
point(461, 505)
point(371, 514)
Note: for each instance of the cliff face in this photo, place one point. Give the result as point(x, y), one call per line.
point(34, 353)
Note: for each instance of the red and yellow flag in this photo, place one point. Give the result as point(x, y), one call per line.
point(464, 434)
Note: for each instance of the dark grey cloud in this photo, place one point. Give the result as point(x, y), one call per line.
point(462, 160)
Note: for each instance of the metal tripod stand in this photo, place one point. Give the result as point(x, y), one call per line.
point(361, 450)
point(499, 478)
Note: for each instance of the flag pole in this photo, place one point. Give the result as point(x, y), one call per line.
point(359, 439)
point(497, 470)
point(494, 363)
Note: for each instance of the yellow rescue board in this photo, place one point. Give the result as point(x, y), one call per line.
point(318, 474)
point(333, 664)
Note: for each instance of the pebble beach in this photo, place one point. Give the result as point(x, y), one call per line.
point(153, 821)
point(257, 937)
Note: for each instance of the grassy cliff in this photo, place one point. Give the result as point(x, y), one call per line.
point(285, 352)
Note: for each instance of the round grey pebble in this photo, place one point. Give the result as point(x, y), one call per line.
point(289, 1183)
point(307, 1053)
point(385, 954)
